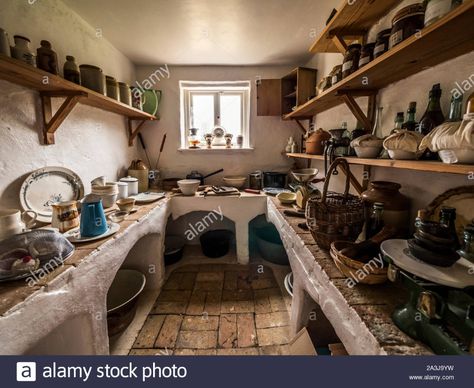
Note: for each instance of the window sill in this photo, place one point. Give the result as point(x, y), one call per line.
point(216, 150)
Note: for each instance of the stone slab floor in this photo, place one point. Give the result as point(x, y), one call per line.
point(217, 309)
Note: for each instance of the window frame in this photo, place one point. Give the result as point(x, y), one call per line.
point(215, 88)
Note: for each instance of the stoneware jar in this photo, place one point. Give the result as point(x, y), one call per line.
point(93, 78)
point(112, 87)
point(22, 50)
point(125, 93)
point(396, 205)
point(46, 58)
point(4, 43)
point(71, 70)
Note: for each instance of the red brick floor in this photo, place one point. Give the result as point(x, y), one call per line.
point(217, 309)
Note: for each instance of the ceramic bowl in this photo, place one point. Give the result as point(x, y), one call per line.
point(118, 216)
point(108, 200)
point(305, 175)
point(109, 188)
point(367, 152)
point(286, 198)
point(236, 181)
point(126, 204)
point(457, 156)
point(402, 155)
point(189, 186)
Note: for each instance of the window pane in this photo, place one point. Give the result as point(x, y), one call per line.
point(231, 114)
point(202, 116)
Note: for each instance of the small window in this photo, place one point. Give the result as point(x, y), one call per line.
point(207, 105)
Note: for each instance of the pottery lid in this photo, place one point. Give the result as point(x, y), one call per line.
point(92, 198)
point(45, 43)
point(129, 179)
point(70, 58)
point(109, 78)
point(21, 37)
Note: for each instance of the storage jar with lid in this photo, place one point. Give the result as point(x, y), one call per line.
point(71, 70)
point(351, 60)
point(4, 43)
point(139, 170)
point(316, 142)
point(382, 42)
point(46, 58)
point(407, 22)
point(124, 93)
point(93, 78)
point(22, 50)
point(132, 185)
point(366, 54)
point(436, 9)
point(112, 87)
point(396, 205)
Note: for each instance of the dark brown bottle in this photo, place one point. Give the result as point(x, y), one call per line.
point(71, 70)
point(432, 118)
point(46, 58)
point(410, 124)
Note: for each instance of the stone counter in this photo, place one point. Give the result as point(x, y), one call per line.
point(361, 316)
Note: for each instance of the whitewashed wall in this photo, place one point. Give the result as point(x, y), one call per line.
point(91, 142)
point(419, 186)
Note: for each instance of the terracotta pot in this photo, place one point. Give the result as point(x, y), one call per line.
point(396, 205)
point(315, 142)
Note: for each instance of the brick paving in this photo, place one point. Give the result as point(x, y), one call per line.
point(217, 309)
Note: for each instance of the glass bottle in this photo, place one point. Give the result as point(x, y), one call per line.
point(434, 115)
point(399, 119)
point(447, 217)
point(378, 121)
point(375, 223)
point(432, 118)
point(455, 110)
point(410, 124)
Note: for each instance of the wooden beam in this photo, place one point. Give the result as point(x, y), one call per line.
point(356, 111)
point(355, 183)
point(133, 133)
point(52, 122)
point(303, 129)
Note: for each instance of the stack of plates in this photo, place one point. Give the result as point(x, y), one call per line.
point(108, 193)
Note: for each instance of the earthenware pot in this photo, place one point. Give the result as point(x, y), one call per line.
point(22, 50)
point(93, 78)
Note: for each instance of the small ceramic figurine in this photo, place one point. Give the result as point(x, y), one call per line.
point(228, 140)
point(208, 137)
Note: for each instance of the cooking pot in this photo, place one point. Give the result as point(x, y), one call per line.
point(197, 175)
point(276, 180)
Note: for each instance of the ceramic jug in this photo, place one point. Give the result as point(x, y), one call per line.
point(13, 221)
point(93, 222)
point(65, 216)
point(22, 50)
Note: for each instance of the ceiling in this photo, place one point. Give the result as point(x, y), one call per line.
point(208, 32)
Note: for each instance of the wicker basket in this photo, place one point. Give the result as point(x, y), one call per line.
point(335, 216)
point(365, 273)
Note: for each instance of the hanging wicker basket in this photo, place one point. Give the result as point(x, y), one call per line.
point(335, 217)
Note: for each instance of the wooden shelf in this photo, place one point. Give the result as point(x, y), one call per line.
point(291, 95)
point(443, 40)
point(49, 85)
point(414, 165)
point(352, 20)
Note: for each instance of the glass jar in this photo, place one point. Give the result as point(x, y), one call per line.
point(407, 22)
point(351, 60)
point(381, 43)
point(375, 223)
point(193, 139)
point(71, 70)
point(436, 9)
point(22, 50)
point(367, 54)
point(467, 250)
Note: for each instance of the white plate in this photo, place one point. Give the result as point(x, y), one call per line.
point(273, 191)
point(74, 235)
point(148, 197)
point(48, 185)
point(459, 275)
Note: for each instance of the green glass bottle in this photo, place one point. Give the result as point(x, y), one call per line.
point(410, 124)
point(432, 118)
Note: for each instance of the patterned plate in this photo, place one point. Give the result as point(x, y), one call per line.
point(48, 185)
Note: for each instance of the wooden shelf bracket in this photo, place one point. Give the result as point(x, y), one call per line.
point(133, 133)
point(51, 122)
point(348, 98)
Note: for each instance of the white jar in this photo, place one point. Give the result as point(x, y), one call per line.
point(4, 43)
point(132, 185)
point(122, 190)
point(436, 9)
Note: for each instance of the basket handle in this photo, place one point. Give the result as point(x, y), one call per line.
point(331, 169)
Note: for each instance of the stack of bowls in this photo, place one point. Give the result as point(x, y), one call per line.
point(108, 193)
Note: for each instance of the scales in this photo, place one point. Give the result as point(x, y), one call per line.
point(303, 189)
point(440, 309)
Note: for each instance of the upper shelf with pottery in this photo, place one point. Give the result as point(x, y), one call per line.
point(445, 39)
point(352, 20)
point(20, 73)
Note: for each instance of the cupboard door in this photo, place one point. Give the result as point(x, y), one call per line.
point(269, 97)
